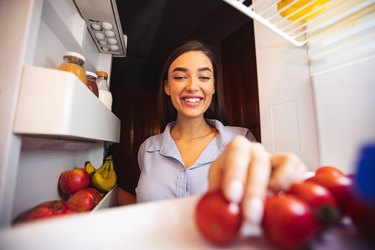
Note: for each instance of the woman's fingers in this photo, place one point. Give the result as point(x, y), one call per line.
point(258, 176)
point(245, 171)
point(287, 169)
point(229, 170)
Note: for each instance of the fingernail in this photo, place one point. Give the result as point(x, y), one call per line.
point(235, 191)
point(253, 210)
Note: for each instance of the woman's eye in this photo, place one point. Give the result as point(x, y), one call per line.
point(179, 78)
point(205, 78)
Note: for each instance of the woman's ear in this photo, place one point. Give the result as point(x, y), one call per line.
point(166, 88)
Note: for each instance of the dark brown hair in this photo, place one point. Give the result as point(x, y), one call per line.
point(166, 109)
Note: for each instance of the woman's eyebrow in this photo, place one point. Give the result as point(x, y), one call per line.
point(180, 69)
point(185, 69)
point(204, 69)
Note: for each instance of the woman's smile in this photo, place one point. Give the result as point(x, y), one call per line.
point(192, 100)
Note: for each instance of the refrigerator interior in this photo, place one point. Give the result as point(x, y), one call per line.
point(54, 123)
point(315, 100)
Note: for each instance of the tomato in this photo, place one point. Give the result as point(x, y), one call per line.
point(330, 170)
point(319, 199)
point(301, 8)
point(288, 222)
point(338, 185)
point(217, 219)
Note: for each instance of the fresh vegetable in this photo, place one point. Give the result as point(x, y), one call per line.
point(85, 199)
point(71, 181)
point(330, 170)
point(338, 184)
point(217, 219)
point(47, 209)
point(319, 199)
point(288, 222)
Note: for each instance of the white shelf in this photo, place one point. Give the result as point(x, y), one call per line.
point(107, 201)
point(327, 17)
point(55, 103)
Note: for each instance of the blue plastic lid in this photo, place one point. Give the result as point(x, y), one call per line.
point(365, 172)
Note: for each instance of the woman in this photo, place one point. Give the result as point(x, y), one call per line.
point(197, 152)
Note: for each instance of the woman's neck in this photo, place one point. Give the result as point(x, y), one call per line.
point(188, 129)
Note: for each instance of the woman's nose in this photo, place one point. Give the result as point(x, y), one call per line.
point(193, 84)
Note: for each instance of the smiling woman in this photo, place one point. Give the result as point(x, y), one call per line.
point(191, 86)
point(196, 152)
point(175, 163)
point(198, 73)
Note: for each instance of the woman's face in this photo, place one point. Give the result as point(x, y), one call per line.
point(190, 84)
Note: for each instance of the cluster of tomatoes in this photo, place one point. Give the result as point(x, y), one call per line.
point(292, 219)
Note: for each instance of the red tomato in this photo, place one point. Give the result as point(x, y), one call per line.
point(288, 222)
point(338, 185)
point(330, 170)
point(319, 199)
point(217, 219)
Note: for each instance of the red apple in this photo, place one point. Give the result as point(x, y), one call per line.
point(73, 180)
point(47, 209)
point(85, 199)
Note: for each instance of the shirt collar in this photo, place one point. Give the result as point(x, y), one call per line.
point(165, 144)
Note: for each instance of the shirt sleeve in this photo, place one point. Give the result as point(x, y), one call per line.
point(243, 131)
point(250, 136)
point(141, 155)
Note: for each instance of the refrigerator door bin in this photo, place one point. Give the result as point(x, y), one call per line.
point(54, 103)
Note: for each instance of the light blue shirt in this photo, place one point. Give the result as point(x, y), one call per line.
point(163, 173)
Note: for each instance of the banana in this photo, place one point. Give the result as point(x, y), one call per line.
point(89, 167)
point(107, 178)
point(104, 167)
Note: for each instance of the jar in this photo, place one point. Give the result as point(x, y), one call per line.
point(91, 82)
point(104, 94)
point(73, 62)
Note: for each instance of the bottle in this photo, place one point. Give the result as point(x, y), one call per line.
point(104, 94)
point(73, 62)
point(91, 82)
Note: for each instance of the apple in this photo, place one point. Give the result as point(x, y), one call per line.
point(85, 199)
point(71, 181)
point(47, 209)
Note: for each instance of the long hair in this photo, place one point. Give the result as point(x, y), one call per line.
point(167, 111)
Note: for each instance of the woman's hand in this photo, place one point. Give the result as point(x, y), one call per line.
point(245, 172)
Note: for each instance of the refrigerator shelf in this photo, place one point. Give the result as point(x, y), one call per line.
point(56, 104)
point(107, 201)
point(301, 21)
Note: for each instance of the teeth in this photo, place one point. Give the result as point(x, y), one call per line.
point(192, 99)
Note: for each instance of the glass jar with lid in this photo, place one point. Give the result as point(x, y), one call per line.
point(73, 62)
point(104, 94)
point(91, 82)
